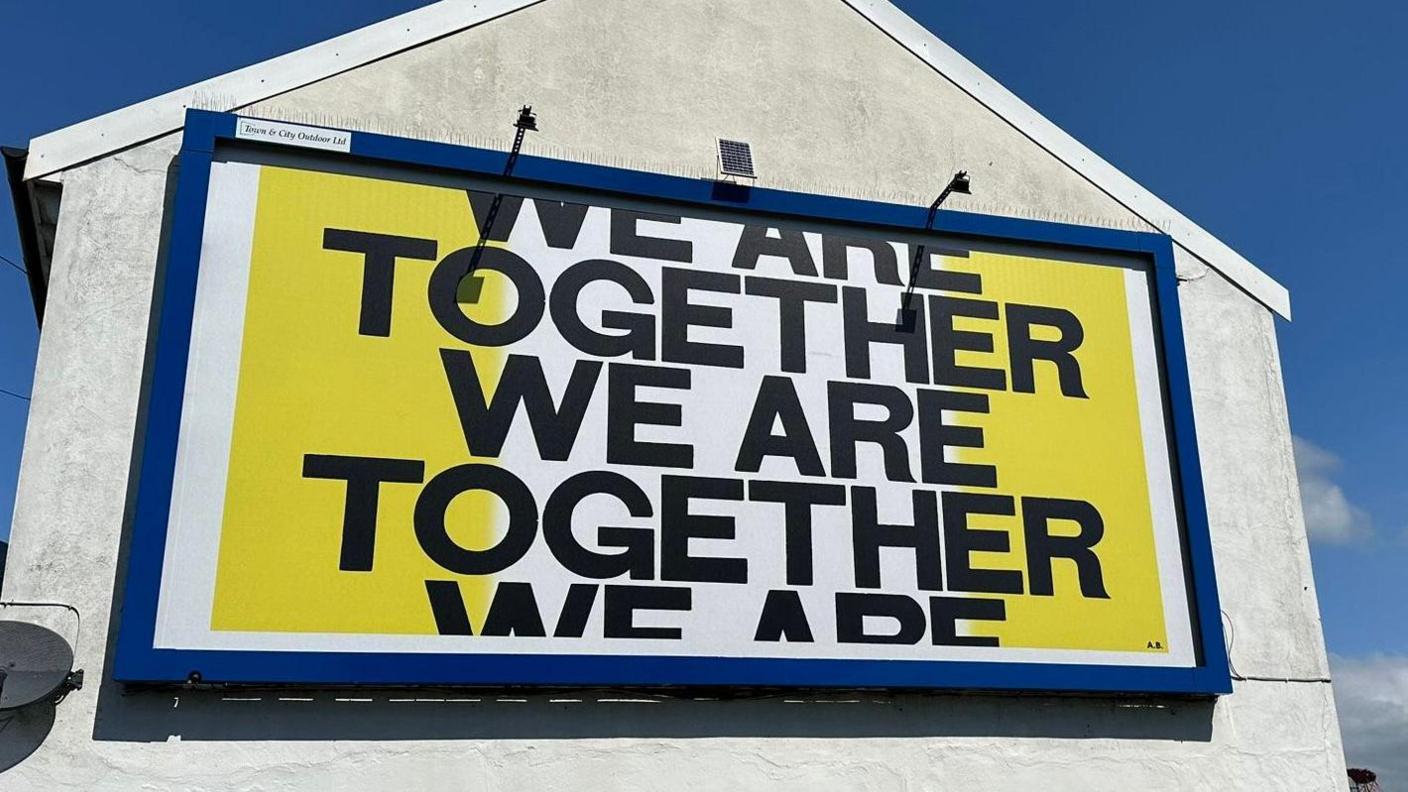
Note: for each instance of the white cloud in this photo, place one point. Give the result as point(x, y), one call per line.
point(1371, 695)
point(1329, 515)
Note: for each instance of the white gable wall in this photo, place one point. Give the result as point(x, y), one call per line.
point(831, 105)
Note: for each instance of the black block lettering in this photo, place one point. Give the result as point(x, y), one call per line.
point(622, 602)
point(364, 477)
point(447, 606)
point(678, 525)
point(481, 204)
point(1043, 546)
point(869, 535)
point(514, 611)
point(852, 609)
point(625, 411)
point(486, 423)
point(379, 254)
point(638, 340)
point(798, 500)
point(960, 541)
point(847, 431)
point(1024, 350)
point(935, 436)
point(835, 258)
point(626, 239)
point(758, 241)
point(443, 292)
point(777, 401)
point(678, 314)
point(561, 222)
point(944, 613)
point(792, 298)
point(860, 333)
point(949, 341)
point(930, 277)
point(783, 618)
point(637, 556)
point(434, 535)
point(576, 610)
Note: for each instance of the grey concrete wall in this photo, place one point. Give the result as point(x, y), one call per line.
point(831, 105)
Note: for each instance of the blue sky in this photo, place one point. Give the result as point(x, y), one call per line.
point(1276, 125)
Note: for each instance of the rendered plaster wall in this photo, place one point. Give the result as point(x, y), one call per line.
point(831, 104)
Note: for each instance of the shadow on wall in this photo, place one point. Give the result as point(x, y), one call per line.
point(154, 715)
point(292, 715)
point(23, 731)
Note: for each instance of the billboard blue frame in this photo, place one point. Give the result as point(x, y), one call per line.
point(140, 661)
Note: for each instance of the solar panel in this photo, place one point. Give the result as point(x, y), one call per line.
point(736, 158)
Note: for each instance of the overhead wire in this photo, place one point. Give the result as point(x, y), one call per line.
point(3, 391)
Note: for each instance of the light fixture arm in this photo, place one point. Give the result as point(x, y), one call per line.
point(960, 183)
point(526, 122)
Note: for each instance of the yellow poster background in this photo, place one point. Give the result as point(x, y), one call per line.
point(310, 383)
point(1047, 445)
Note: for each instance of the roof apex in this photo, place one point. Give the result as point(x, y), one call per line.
point(137, 123)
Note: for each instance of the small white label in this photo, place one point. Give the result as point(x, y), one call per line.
point(293, 134)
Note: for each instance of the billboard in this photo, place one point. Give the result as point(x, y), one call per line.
point(413, 424)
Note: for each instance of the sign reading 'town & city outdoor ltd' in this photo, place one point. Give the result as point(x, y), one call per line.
point(654, 438)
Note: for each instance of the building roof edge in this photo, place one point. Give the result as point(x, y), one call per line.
point(143, 121)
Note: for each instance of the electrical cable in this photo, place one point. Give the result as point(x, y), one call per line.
point(1232, 668)
point(23, 271)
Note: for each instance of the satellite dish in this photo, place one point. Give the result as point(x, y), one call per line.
point(36, 664)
